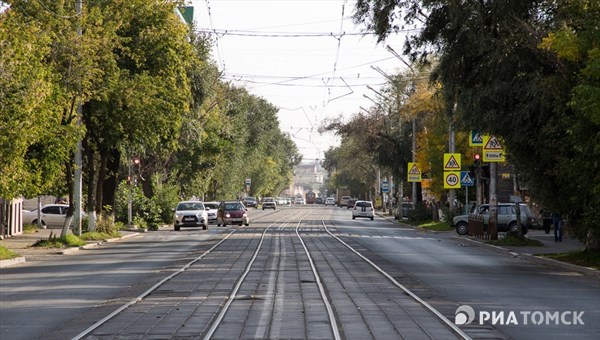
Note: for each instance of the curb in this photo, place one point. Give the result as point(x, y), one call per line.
point(68, 251)
point(538, 259)
point(11, 262)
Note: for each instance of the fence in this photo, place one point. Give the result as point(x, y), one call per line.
point(11, 217)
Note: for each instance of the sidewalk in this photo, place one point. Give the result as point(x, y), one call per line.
point(21, 244)
point(568, 244)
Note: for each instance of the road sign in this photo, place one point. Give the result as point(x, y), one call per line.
point(414, 174)
point(385, 186)
point(248, 181)
point(465, 179)
point(451, 179)
point(451, 161)
point(492, 150)
point(476, 139)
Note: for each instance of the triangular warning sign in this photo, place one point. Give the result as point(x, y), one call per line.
point(414, 170)
point(493, 144)
point(452, 163)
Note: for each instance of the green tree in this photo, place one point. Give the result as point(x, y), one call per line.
point(504, 78)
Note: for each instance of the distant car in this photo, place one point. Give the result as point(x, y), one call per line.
point(344, 201)
point(363, 209)
point(212, 208)
point(329, 201)
point(232, 212)
point(269, 203)
point(351, 203)
point(190, 214)
point(52, 215)
point(403, 211)
point(250, 202)
point(507, 218)
point(299, 200)
point(319, 200)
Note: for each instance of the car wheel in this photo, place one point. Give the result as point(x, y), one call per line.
point(462, 228)
point(263, 208)
point(240, 224)
point(513, 228)
point(177, 228)
point(218, 224)
point(247, 224)
point(224, 225)
point(353, 217)
point(372, 218)
point(204, 227)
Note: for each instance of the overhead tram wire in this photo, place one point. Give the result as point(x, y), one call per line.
point(257, 34)
point(212, 26)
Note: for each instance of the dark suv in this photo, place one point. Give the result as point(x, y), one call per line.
point(250, 202)
point(507, 218)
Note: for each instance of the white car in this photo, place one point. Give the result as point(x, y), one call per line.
point(363, 209)
point(344, 201)
point(190, 214)
point(211, 211)
point(299, 200)
point(52, 215)
point(329, 201)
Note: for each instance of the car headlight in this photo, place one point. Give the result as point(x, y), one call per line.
point(227, 215)
point(245, 215)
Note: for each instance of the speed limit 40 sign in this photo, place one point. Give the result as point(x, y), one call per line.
point(451, 179)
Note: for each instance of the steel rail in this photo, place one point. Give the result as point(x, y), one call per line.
point(153, 288)
point(455, 328)
point(331, 315)
point(217, 322)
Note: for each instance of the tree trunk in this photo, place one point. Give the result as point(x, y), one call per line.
point(71, 210)
point(111, 181)
point(91, 171)
point(101, 181)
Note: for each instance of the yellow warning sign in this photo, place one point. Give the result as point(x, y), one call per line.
point(492, 149)
point(414, 174)
point(451, 179)
point(452, 161)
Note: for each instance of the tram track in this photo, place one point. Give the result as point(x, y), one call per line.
point(264, 290)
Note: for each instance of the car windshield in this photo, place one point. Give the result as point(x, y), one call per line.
point(233, 206)
point(269, 200)
point(363, 204)
point(212, 205)
point(189, 206)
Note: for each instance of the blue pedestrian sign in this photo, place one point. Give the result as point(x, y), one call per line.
point(466, 179)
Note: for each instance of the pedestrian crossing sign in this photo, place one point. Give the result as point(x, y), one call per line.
point(476, 138)
point(466, 179)
point(452, 161)
point(414, 174)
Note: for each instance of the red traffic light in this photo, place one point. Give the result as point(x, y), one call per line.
point(476, 156)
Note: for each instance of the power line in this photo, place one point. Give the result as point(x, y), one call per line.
point(257, 34)
point(212, 25)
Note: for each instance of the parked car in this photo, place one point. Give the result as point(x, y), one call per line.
point(344, 201)
point(299, 200)
point(190, 214)
point(319, 200)
point(250, 202)
point(212, 208)
point(232, 212)
point(351, 203)
point(330, 201)
point(363, 209)
point(269, 203)
point(507, 218)
point(51, 215)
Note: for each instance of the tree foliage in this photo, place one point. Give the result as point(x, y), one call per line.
point(524, 70)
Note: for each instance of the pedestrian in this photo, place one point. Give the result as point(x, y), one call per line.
point(546, 220)
point(557, 222)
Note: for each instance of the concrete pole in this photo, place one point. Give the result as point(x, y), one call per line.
point(492, 227)
point(451, 149)
point(414, 159)
point(78, 173)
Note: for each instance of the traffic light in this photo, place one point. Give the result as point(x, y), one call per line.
point(477, 159)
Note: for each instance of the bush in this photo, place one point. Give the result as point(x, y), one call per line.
point(147, 212)
point(420, 213)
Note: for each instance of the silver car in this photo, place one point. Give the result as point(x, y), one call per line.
point(190, 214)
point(507, 218)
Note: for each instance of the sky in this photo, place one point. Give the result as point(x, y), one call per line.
point(306, 57)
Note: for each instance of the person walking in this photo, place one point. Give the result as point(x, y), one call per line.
point(546, 220)
point(557, 222)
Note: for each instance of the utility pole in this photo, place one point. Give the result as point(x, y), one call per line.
point(451, 149)
point(414, 159)
point(77, 180)
point(493, 223)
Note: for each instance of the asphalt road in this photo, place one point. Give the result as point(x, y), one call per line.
point(58, 297)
